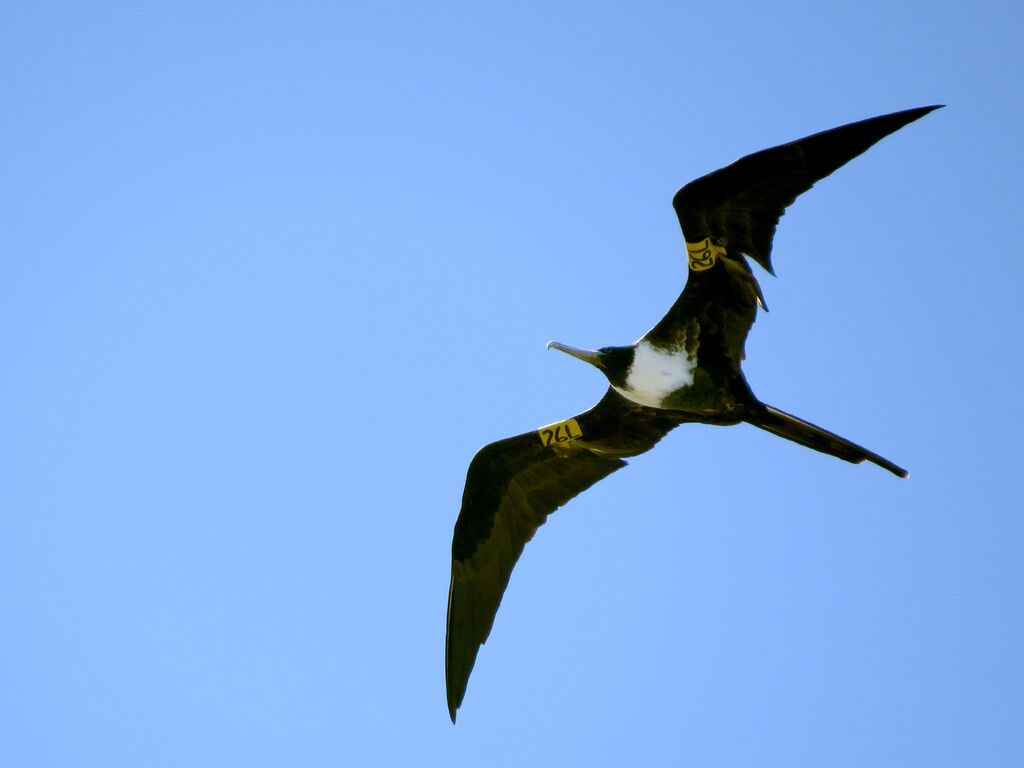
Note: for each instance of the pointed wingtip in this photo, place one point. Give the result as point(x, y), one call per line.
point(916, 112)
point(886, 464)
point(453, 699)
point(910, 115)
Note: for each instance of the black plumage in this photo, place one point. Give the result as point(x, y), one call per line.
point(685, 369)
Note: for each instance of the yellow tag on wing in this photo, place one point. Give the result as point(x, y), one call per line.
point(703, 254)
point(562, 432)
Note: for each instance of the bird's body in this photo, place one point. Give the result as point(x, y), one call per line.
point(685, 369)
point(662, 377)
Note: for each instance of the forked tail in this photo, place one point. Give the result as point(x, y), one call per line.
point(805, 433)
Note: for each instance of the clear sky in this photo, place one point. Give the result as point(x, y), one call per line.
point(271, 273)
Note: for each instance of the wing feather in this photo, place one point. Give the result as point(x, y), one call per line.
point(511, 488)
point(740, 205)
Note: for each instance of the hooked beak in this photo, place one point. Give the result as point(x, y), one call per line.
point(591, 356)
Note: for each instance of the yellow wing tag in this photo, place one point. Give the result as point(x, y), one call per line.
point(703, 254)
point(562, 432)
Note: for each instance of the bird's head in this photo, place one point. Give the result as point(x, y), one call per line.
point(613, 362)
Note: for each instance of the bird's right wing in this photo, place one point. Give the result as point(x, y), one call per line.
point(511, 488)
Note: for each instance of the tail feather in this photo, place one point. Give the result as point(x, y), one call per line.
point(807, 434)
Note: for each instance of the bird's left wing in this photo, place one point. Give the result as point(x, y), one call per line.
point(511, 488)
point(737, 208)
point(732, 213)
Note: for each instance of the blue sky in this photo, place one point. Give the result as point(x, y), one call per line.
point(270, 275)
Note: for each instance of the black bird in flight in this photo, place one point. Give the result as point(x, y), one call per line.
point(685, 369)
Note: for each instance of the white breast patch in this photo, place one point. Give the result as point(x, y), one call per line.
point(656, 373)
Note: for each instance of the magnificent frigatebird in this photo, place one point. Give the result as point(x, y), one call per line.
point(685, 369)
